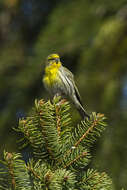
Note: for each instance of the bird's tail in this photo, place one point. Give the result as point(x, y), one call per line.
point(80, 108)
point(83, 112)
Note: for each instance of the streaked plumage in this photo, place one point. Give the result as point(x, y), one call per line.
point(58, 80)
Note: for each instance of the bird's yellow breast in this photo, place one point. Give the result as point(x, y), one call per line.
point(51, 74)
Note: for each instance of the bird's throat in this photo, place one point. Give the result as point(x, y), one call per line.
point(51, 73)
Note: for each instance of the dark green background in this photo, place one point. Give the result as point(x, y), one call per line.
point(91, 37)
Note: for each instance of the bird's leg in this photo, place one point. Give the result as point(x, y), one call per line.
point(62, 99)
point(56, 95)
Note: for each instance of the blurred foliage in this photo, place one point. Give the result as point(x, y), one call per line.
point(91, 38)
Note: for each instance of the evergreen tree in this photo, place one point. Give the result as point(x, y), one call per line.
point(60, 151)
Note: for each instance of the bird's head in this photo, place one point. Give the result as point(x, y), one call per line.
point(53, 58)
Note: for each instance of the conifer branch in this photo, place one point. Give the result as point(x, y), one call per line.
point(63, 179)
point(83, 154)
point(58, 119)
point(18, 177)
point(95, 180)
point(9, 160)
point(63, 118)
point(31, 170)
point(42, 123)
point(57, 106)
point(85, 134)
point(60, 151)
point(99, 117)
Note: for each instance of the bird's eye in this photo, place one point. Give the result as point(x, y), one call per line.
point(57, 60)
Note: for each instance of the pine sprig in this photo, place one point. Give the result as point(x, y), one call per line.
point(95, 181)
point(61, 152)
point(40, 174)
point(49, 128)
point(51, 135)
point(32, 136)
point(40, 131)
point(18, 177)
point(89, 130)
point(79, 159)
point(5, 179)
point(63, 117)
point(44, 177)
point(63, 179)
point(84, 135)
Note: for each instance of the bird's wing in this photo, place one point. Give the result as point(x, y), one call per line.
point(70, 77)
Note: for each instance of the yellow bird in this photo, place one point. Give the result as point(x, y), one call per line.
point(58, 80)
